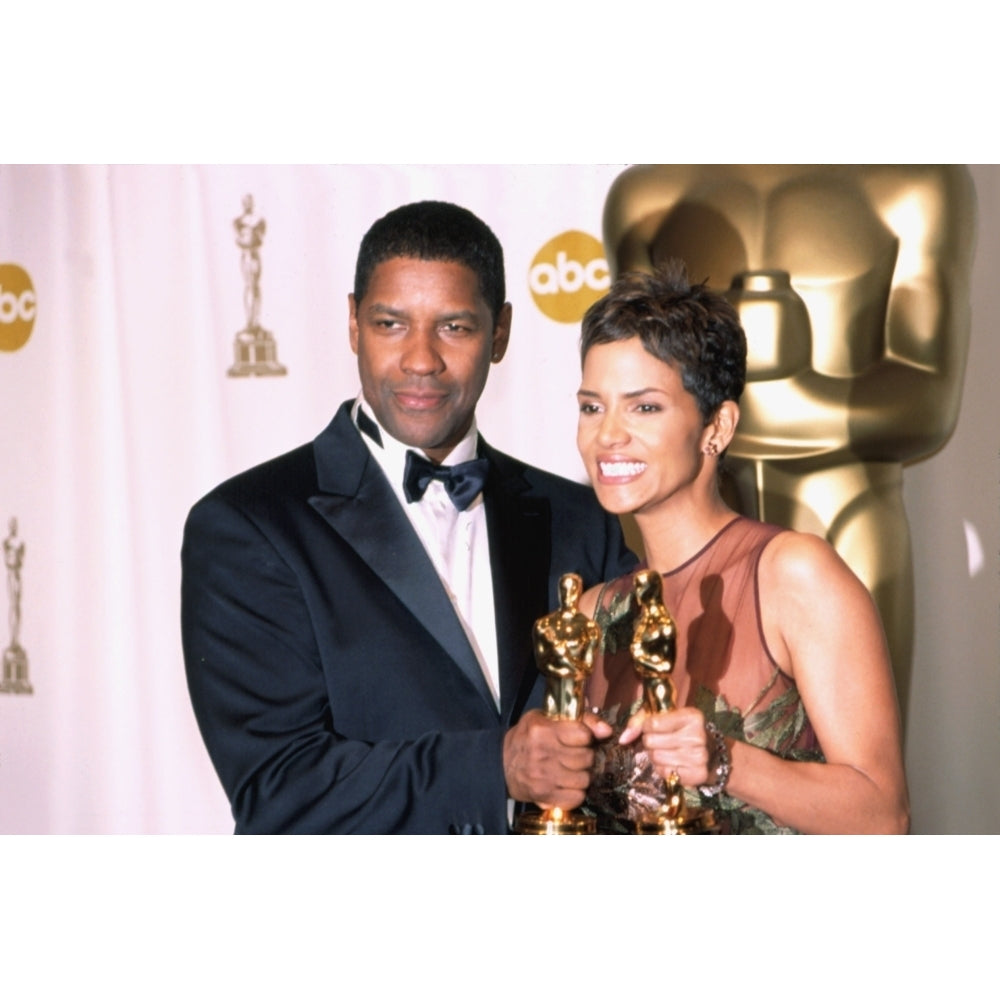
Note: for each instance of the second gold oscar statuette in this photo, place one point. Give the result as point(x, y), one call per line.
point(654, 650)
point(565, 642)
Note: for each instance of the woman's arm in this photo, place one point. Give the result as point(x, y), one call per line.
point(822, 627)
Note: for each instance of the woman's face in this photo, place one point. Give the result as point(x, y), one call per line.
point(640, 432)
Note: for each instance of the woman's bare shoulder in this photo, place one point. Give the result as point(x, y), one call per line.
point(811, 601)
point(803, 561)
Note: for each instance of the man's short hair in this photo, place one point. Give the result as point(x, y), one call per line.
point(434, 230)
point(690, 327)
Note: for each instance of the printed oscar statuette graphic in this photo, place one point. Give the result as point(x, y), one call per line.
point(565, 643)
point(15, 659)
point(654, 650)
point(255, 350)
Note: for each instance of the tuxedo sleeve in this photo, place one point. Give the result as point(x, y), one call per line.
point(260, 682)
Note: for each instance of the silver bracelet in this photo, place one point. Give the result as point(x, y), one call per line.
point(719, 762)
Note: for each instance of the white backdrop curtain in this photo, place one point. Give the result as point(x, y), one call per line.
point(118, 413)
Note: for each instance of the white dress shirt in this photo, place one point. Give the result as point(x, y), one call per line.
point(456, 541)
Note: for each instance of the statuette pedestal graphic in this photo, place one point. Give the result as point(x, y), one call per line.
point(15, 660)
point(255, 350)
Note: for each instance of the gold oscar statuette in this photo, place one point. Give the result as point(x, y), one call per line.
point(565, 642)
point(654, 650)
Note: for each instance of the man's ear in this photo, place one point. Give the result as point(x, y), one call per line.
point(352, 321)
point(501, 333)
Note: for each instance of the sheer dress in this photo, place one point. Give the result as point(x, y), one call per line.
point(723, 667)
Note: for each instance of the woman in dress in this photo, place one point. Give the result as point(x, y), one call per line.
point(787, 719)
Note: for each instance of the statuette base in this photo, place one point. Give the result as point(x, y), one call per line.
point(555, 823)
point(15, 672)
point(664, 824)
point(256, 353)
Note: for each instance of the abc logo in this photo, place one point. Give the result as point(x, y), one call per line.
point(17, 307)
point(568, 275)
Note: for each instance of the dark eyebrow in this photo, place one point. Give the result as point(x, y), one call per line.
point(628, 395)
point(463, 314)
point(468, 315)
point(642, 392)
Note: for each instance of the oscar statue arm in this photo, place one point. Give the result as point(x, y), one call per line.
point(908, 402)
point(903, 401)
point(637, 203)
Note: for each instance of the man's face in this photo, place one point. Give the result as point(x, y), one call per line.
point(425, 338)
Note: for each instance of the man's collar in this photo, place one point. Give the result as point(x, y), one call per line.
point(391, 453)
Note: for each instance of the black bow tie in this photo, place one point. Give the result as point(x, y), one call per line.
point(462, 482)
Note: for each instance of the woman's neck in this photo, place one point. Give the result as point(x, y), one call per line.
point(671, 537)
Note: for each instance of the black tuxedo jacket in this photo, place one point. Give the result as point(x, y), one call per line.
point(333, 684)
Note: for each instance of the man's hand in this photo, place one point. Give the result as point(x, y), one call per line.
point(548, 761)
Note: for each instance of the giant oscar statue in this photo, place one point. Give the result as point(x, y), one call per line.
point(853, 286)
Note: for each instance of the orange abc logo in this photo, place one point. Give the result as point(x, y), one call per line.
point(17, 307)
point(568, 275)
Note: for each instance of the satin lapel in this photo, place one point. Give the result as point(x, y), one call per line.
point(520, 549)
point(361, 507)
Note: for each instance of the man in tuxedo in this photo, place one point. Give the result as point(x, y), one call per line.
point(357, 613)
